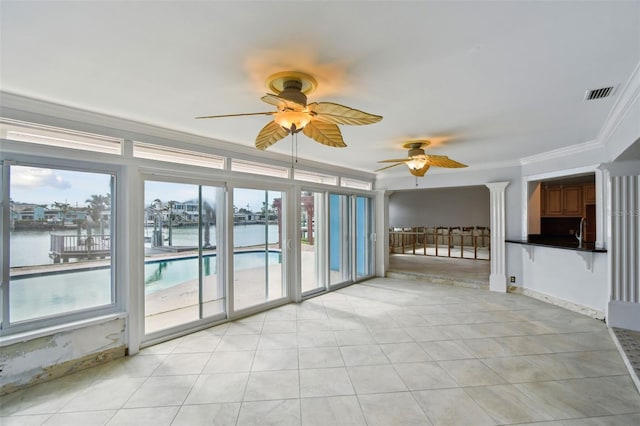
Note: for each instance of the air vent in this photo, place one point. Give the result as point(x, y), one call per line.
point(598, 93)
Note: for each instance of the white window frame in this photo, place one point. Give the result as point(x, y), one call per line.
point(117, 260)
point(192, 326)
point(287, 253)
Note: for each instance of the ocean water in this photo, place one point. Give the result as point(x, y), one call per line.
point(30, 248)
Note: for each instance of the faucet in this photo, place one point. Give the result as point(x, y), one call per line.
point(580, 232)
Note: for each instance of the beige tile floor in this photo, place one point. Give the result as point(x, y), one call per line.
point(384, 352)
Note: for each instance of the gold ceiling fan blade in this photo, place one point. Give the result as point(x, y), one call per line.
point(387, 167)
point(270, 134)
point(330, 112)
point(443, 161)
point(282, 103)
point(236, 115)
point(397, 160)
point(326, 133)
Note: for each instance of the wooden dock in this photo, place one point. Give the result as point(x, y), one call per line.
point(65, 247)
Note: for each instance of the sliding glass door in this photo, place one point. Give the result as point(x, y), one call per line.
point(339, 239)
point(364, 244)
point(349, 245)
point(181, 280)
point(258, 244)
point(312, 242)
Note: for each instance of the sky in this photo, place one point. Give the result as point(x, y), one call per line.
point(46, 186)
point(166, 191)
point(37, 185)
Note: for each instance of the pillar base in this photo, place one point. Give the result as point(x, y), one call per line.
point(624, 315)
point(498, 283)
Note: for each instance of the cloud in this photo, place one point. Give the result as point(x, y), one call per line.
point(35, 177)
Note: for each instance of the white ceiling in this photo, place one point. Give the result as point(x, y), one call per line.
point(487, 82)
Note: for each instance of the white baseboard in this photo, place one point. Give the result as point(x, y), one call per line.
point(584, 310)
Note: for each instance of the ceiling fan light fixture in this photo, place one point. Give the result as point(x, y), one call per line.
point(293, 121)
point(319, 120)
point(416, 163)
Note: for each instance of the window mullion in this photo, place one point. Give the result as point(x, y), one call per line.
point(5, 216)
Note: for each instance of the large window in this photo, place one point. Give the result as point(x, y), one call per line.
point(182, 283)
point(216, 232)
point(60, 248)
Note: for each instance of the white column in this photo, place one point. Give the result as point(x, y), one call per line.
point(382, 232)
point(498, 277)
point(130, 253)
point(624, 307)
point(602, 194)
point(624, 245)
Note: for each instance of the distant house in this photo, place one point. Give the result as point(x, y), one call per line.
point(75, 216)
point(187, 209)
point(245, 216)
point(54, 216)
point(30, 213)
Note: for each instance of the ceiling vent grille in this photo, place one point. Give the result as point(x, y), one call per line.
point(599, 93)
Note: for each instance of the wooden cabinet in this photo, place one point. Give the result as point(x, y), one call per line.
point(552, 201)
point(562, 200)
point(572, 201)
point(589, 193)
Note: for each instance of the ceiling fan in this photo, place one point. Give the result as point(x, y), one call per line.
point(419, 162)
point(317, 120)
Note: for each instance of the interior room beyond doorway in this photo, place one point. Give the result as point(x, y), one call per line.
point(461, 260)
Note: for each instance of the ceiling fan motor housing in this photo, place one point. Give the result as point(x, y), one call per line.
point(293, 92)
point(415, 152)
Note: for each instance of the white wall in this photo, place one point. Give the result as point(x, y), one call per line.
point(468, 206)
point(565, 275)
point(26, 362)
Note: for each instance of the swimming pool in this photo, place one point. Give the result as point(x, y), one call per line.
point(51, 293)
point(162, 274)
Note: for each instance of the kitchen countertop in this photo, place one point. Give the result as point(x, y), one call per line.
point(559, 242)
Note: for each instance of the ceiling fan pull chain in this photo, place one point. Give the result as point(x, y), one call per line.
point(292, 151)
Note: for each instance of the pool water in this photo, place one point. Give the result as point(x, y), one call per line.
point(162, 274)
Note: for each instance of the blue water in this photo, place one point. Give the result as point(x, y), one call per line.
point(30, 248)
point(35, 296)
point(163, 274)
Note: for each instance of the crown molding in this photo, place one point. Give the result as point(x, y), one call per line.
point(562, 152)
point(628, 96)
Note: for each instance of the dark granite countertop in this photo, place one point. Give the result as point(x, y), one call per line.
point(559, 242)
